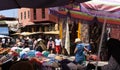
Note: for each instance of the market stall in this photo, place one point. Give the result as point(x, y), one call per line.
point(39, 60)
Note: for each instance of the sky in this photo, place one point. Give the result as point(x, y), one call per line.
point(10, 13)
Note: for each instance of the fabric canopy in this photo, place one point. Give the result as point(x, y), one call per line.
point(108, 2)
point(10, 4)
point(101, 8)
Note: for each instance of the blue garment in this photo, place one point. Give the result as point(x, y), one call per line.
point(89, 47)
point(79, 56)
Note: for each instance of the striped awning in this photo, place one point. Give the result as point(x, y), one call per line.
point(102, 8)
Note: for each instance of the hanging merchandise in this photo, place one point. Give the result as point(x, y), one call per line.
point(79, 30)
point(67, 38)
point(60, 31)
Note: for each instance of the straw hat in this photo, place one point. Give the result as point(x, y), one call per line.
point(77, 40)
point(39, 39)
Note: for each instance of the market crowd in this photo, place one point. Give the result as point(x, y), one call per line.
point(41, 54)
point(26, 48)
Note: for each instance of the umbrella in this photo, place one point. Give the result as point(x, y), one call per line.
point(2, 36)
point(10, 4)
point(101, 8)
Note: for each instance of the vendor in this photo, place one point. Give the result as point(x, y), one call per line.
point(114, 57)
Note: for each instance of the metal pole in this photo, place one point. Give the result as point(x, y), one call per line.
point(101, 40)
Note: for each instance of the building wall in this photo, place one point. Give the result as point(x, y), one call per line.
point(30, 17)
point(53, 18)
point(39, 15)
point(21, 16)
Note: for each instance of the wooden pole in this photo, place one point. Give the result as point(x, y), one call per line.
point(101, 41)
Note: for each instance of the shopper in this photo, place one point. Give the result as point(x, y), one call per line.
point(50, 45)
point(79, 51)
point(57, 45)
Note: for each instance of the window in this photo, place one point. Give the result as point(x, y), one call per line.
point(34, 13)
point(28, 14)
point(43, 12)
point(25, 15)
point(21, 15)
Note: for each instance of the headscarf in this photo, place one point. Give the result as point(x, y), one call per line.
point(114, 49)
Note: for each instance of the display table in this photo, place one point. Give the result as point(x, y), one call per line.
point(100, 63)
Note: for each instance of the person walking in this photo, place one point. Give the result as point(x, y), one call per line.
point(57, 45)
point(50, 45)
point(79, 51)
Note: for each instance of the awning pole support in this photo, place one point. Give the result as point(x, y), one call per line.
point(101, 41)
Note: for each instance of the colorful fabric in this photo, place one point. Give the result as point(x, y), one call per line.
point(31, 53)
point(45, 53)
point(38, 54)
point(23, 55)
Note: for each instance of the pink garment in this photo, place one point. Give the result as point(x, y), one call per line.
point(38, 54)
point(50, 43)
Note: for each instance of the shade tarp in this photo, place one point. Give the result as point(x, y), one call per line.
point(26, 33)
point(16, 34)
point(3, 36)
point(10, 4)
point(51, 32)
